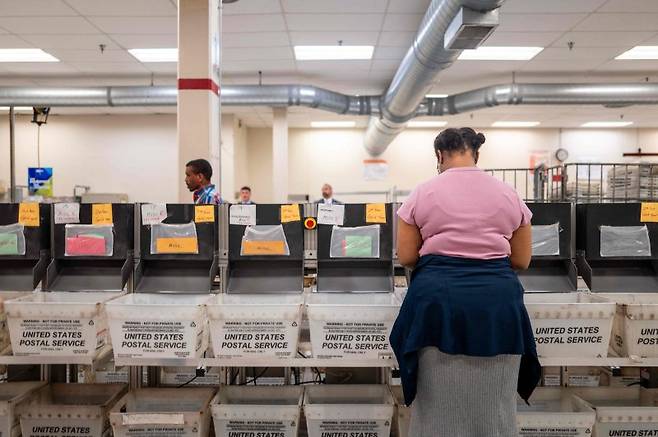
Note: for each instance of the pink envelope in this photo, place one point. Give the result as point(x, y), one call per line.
point(81, 245)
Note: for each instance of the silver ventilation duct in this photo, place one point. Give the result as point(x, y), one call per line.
point(420, 67)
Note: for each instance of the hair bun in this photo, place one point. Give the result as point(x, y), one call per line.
point(480, 139)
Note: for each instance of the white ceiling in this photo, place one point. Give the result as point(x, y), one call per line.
point(260, 34)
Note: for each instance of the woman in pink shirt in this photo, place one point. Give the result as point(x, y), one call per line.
point(463, 337)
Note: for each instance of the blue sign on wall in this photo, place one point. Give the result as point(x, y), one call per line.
point(40, 181)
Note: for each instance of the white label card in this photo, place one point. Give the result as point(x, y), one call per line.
point(331, 214)
point(153, 213)
point(67, 213)
point(244, 215)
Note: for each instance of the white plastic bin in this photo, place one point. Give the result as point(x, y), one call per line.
point(348, 410)
point(70, 410)
point(570, 324)
point(163, 412)
point(255, 325)
point(12, 394)
point(554, 412)
point(347, 325)
point(103, 371)
point(58, 323)
point(257, 411)
point(631, 411)
point(402, 416)
point(162, 326)
point(4, 329)
point(635, 328)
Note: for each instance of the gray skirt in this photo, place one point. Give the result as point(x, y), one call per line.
point(464, 396)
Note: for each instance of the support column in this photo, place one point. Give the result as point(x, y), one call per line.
point(280, 155)
point(198, 117)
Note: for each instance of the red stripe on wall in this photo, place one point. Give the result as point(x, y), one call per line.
point(198, 84)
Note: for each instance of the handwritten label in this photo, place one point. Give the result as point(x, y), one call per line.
point(331, 214)
point(250, 248)
point(204, 213)
point(153, 213)
point(28, 214)
point(177, 245)
point(375, 213)
point(67, 213)
point(649, 212)
point(290, 213)
point(101, 214)
point(244, 215)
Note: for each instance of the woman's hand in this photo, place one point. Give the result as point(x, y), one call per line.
point(409, 243)
point(521, 244)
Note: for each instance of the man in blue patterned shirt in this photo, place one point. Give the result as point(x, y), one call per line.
point(197, 178)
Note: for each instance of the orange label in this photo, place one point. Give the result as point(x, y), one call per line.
point(263, 248)
point(649, 212)
point(204, 213)
point(177, 245)
point(290, 213)
point(375, 213)
point(28, 214)
point(101, 214)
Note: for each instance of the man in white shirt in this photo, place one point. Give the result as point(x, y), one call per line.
point(328, 196)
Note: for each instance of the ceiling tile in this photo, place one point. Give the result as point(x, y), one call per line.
point(396, 39)
point(162, 67)
point(47, 25)
point(72, 42)
point(124, 8)
point(136, 25)
point(39, 68)
point(531, 39)
point(603, 39)
point(322, 38)
point(35, 8)
point(110, 67)
point(630, 6)
point(595, 53)
point(388, 65)
point(346, 22)
point(15, 81)
point(255, 39)
point(334, 6)
point(252, 7)
point(253, 66)
point(66, 55)
point(616, 22)
point(396, 53)
point(152, 41)
point(648, 67)
point(408, 6)
point(550, 66)
point(13, 42)
point(538, 23)
point(253, 23)
point(257, 53)
point(550, 6)
point(402, 22)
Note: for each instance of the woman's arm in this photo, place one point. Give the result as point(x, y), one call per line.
point(521, 244)
point(409, 243)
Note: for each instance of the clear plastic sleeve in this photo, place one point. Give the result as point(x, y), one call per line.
point(546, 240)
point(12, 239)
point(358, 242)
point(174, 239)
point(269, 240)
point(623, 241)
point(89, 240)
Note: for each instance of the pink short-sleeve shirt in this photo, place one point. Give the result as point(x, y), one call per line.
point(465, 212)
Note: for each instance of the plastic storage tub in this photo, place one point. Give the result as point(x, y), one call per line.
point(160, 326)
point(346, 325)
point(635, 328)
point(11, 396)
point(257, 411)
point(58, 323)
point(631, 411)
point(554, 412)
point(570, 324)
point(402, 416)
point(348, 410)
point(4, 329)
point(160, 412)
point(70, 410)
point(255, 325)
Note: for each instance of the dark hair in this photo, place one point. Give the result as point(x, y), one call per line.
point(246, 188)
point(458, 140)
point(201, 166)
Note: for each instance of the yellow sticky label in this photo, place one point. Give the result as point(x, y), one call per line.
point(204, 213)
point(375, 213)
point(290, 213)
point(649, 212)
point(176, 245)
point(101, 214)
point(263, 248)
point(28, 214)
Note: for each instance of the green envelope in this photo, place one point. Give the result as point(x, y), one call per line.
point(9, 244)
point(358, 246)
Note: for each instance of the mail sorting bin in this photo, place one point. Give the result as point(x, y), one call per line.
point(631, 411)
point(635, 327)
point(58, 323)
point(65, 410)
point(255, 325)
point(257, 411)
point(160, 412)
point(402, 417)
point(570, 324)
point(554, 412)
point(12, 394)
point(160, 326)
point(4, 328)
point(338, 410)
point(345, 325)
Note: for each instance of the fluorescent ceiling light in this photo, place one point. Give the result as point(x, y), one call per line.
point(488, 53)
point(17, 108)
point(607, 124)
point(515, 124)
point(436, 96)
point(333, 123)
point(155, 55)
point(315, 53)
point(427, 123)
point(640, 52)
point(26, 55)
